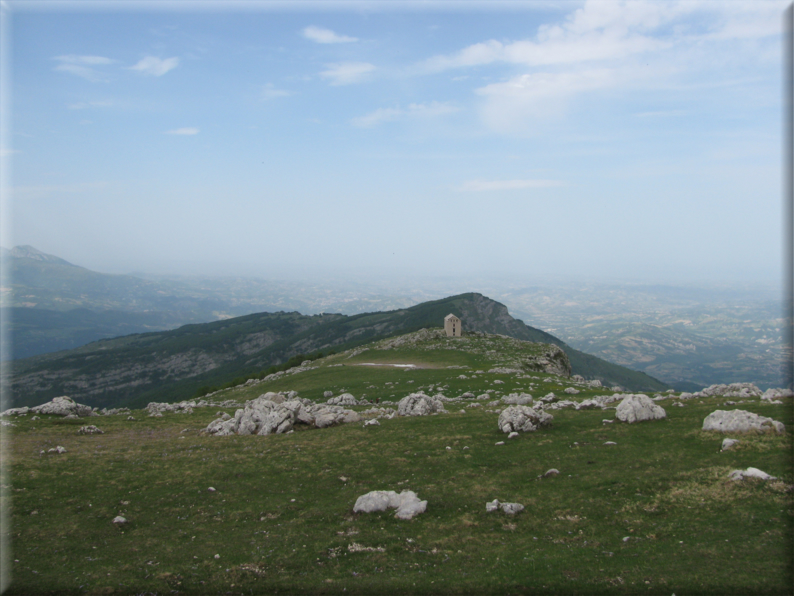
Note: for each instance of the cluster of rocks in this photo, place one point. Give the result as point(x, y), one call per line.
point(740, 421)
point(276, 413)
point(58, 406)
point(523, 419)
point(407, 503)
point(750, 473)
point(376, 412)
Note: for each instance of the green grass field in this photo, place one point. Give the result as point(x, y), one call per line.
point(281, 518)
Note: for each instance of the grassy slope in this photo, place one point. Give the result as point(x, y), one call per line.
point(294, 334)
point(281, 519)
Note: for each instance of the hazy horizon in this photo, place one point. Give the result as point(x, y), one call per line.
point(635, 142)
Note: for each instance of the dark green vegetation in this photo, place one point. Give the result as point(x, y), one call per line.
point(281, 519)
point(174, 365)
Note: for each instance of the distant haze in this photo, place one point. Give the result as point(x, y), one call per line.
point(596, 140)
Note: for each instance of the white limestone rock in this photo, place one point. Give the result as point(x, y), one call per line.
point(90, 430)
point(346, 399)
point(419, 404)
point(508, 508)
point(327, 394)
point(571, 390)
point(639, 407)
point(372, 422)
point(740, 421)
point(731, 390)
point(523, 419)
point(750, 473)
point(776, 394)
point(407, 503)
point(119, 520)
point(56, 450)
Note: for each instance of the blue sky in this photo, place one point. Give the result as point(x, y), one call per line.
point(632, 140)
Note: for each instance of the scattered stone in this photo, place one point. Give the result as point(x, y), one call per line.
point(512, 435)
point(499, 443)
point(740, 421)
point(211, 490)
point(636, 408)
point(508, 508)
point(626, 538)
point(610, 443)
point(517, 399)
point(35, 418)
point(523, 418)
point(90, 430)
point(607, 421)
point(372, 422)
point(550, 473)
point(131, 418)
point(346, 399)
point(217, 556)
point(358, 548)
point(549, 398)
point(58, 449)
point(407, 503)
point(571, 390)
point(119, 520)
point(419, 404)
point(750, 473)
point(732, 390)
point(727, 444)
point(327, 394)
point(588, 404)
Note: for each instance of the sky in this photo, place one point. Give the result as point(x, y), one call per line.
point(594, 140)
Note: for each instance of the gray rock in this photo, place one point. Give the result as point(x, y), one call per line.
point(512, 435)
point(553, 361)
point(508, 508)
point(327, 394)
point(552, 472)
point(119, 520)
point(727, 444)
point(571, 390)
point(419, 404)
point(523, 419)
point(636, 408)
point(58, 449)
point(373, 422)
point(740, 421)
point(406, 503)
point(64, 406)
point(775, 394)
point(346, 399)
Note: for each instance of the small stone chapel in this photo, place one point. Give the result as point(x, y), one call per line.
point(452, 326)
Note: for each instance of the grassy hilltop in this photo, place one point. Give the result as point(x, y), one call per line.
point(173, 365)
point(652, 514)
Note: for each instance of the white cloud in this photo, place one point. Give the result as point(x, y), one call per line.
point(320, 35)
point(154, 66)
point(488, 185)
point(83, 66)
point(345, 73)
point(270, 92)
point(183, 131)
point(430, 110)
point(6, 152)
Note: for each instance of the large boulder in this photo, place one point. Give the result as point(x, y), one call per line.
point(61, 406)
point(407, 503)
point(772, 394)
point(419, 404)
point(740, 421)
point(346, 399)
point(636, 408)
point(523, 419)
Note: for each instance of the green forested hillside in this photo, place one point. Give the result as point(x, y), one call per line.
point(173, 365)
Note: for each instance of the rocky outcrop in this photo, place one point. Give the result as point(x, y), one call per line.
point(419, 404)
point(523, 419)
point(740, 421)
point(745, 390)
point(774, 394)
point(636, 408)
point(553, 361)
point(346, 399)
point(272, 414)
point(407, 503)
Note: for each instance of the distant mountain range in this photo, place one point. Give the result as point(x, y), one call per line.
point(172, 365)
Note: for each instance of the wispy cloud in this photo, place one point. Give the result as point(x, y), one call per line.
point(320, 35)
point(83, 66)
point(270, 92)
point(381, 115)
point(489, 185)
point(346, 73)
point(151, 65)
point(46, 191)
point(82, 105)
point(6, 152)
point(183, 131)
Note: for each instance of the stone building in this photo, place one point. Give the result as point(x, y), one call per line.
point(452, 326)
